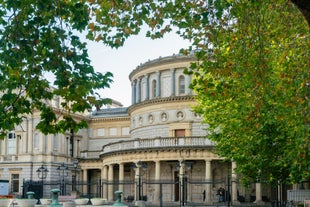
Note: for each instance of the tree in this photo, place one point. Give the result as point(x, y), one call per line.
point(252, 86)
point(39, 38)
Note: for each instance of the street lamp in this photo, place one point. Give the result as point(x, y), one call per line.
point(42, 174)
point(138, 167)
point(182, 167)
point(75, 165)
point(63, 172)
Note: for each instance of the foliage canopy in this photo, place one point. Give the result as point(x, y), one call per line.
point(39, 38)
point(252, 85)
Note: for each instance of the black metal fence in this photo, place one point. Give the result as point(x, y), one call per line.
point(185, 192)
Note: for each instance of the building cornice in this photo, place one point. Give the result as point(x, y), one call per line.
point(170, 99)
point(100, 119)
point(162, 61)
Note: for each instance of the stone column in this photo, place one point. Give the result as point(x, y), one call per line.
point(187, 83)
point(5, 146)
point(17, 138)
point(42, 139)
point(121, 178)
point(158, 85)
point(85, 180)
point(137, 179)
point(29, 141)
point(133, 92)
point(139, 90)
point(172, 82)
point(234, 194)
point(208, 189)
point(50, 143)
point(258, 193)
point(104, 176)
point(182, 177)
point(157, 178)
point(110, 183)
point(147, 87)
point(190, 92)
point(78, 148)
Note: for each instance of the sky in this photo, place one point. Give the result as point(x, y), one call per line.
point(137, 49)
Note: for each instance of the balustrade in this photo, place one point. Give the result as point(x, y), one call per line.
point(161, 142)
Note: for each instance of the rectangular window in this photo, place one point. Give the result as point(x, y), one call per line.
point(113, 131)
point(11, 135)
point(100, 132)
point(125, 130)
point(181, 85)
point(15, 183)
point(11, 143)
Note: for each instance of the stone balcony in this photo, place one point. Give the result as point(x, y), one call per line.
point(150, 143)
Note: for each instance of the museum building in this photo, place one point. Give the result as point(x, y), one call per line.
point(155, 150)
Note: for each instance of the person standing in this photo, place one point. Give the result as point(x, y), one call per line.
point(218, 195)
point(204, 195)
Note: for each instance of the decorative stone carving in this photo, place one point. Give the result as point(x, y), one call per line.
point(140, 121)
point(151, 118)
point(180, 115)
point(164, 117)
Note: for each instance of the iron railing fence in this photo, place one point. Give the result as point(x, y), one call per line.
point(189, 191)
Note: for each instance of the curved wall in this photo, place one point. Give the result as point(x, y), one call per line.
point(162, 100)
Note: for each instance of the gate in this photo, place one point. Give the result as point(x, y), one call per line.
point(34, 186)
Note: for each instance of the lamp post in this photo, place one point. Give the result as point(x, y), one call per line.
point(42, 174)
point(182, 167)
point(75, 165)
point(138, 167)
point(63, 172)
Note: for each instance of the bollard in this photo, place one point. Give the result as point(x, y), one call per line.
point(30, 194)
point(55, 202)
point(118, 195)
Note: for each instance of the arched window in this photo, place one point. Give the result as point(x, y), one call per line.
point(181, 85)
point(153, 94)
